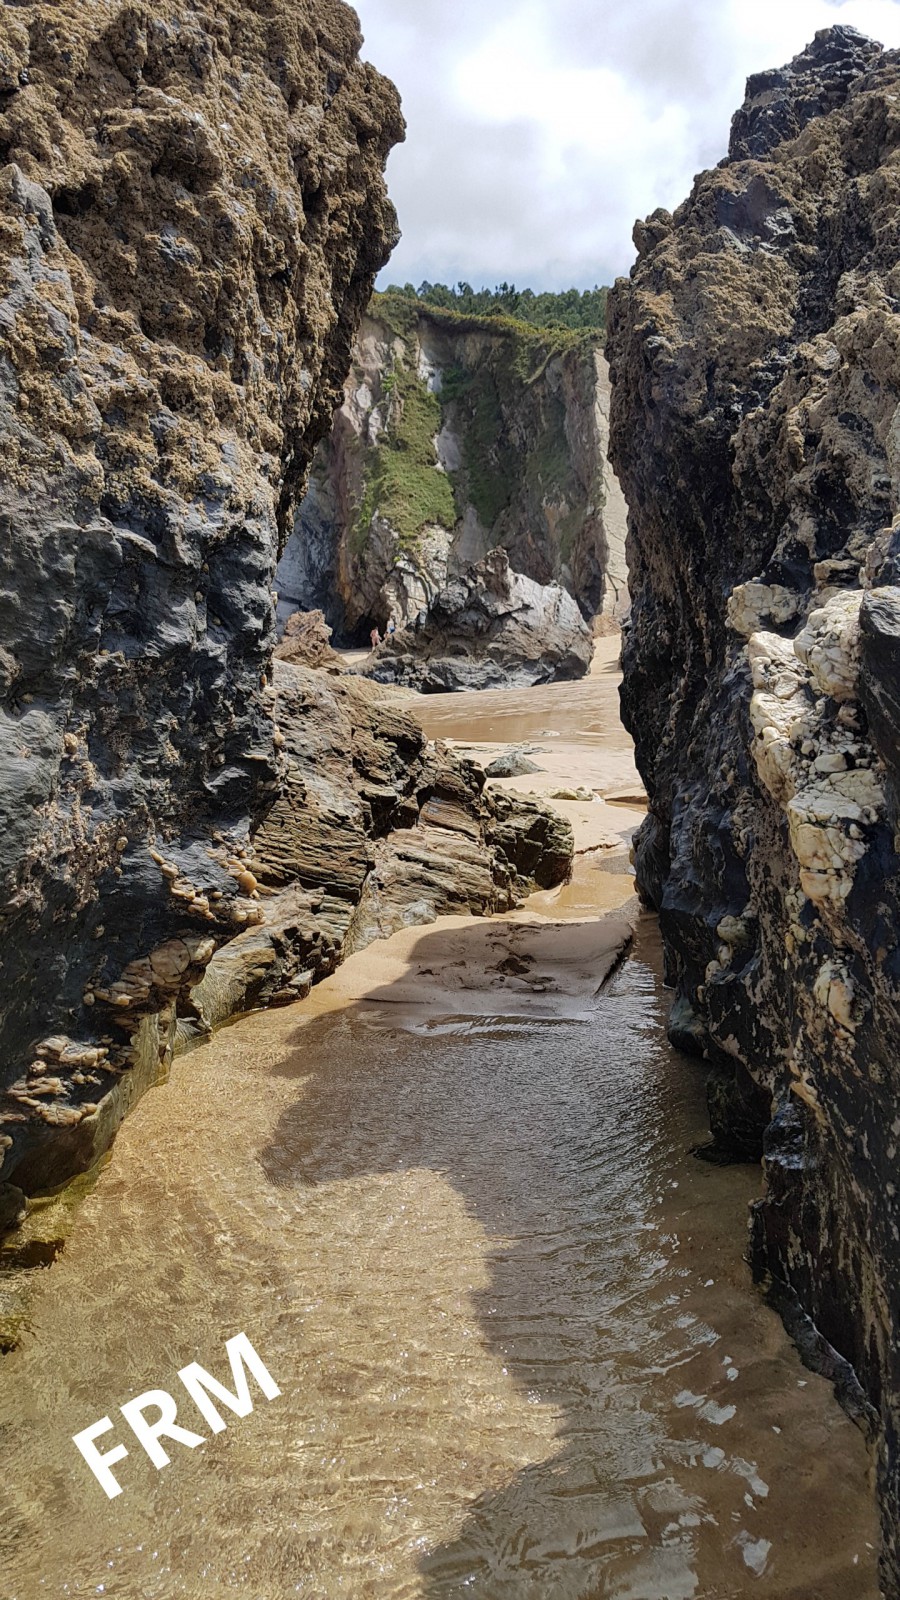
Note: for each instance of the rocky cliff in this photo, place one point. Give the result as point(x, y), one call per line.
point(457, 435)
point(193, 215)
point(193, 212)
point(755, 357)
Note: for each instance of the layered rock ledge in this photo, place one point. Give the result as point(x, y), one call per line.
point(376, 828)
point(755, 358)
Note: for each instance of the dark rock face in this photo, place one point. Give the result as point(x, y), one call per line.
point(489, 628)
point(755, 356)
point(193, 212)
point(779, 104)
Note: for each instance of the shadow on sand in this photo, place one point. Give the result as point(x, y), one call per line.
point(567, 1139)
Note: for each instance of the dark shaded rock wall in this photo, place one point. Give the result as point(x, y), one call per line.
point(755, 357)
point(193, 212)
point(489, 628)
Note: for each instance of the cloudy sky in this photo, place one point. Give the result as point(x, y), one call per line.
point(539, 129)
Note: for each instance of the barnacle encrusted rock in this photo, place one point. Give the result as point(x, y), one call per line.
point(755, 357)
point(192, 213)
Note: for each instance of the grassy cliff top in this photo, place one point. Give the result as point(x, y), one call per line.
point(402, 311)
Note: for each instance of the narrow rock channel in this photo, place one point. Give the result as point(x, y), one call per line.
point(451, 1199)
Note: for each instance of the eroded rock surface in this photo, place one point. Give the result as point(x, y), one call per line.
point(457, 435)
point(306, 642)
point(193, 213)
point(755, 357)
point(489, 628)
point(375, 829)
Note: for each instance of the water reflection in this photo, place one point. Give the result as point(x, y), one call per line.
point(615, 1297)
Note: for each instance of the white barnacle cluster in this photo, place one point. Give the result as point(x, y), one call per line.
point(809, 750)
point(734, 934)
point(835, 993)
point(63, 1070)
point(750, 605)
point(828, 644)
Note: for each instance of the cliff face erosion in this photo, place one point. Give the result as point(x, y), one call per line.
point(755, 358)
point(193, 215)
point(193, 211)
point(457, 435)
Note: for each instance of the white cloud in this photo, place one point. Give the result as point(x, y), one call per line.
point(540, 129)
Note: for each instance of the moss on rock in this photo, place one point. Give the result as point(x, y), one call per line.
point(460, 434)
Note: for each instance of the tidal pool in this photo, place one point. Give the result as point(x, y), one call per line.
point(518, 1348)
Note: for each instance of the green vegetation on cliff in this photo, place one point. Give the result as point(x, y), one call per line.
point(490, 460)
point(480, 393)
point(405, 485)
point(582, 310)
point(529, 346)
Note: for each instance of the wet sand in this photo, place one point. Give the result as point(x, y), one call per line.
point(451, 1200)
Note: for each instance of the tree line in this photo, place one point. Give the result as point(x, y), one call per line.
point(572, 308)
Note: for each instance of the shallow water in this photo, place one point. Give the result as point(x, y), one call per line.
point(585, 712)
point(518, 1349)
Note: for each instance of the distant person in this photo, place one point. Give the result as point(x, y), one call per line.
point(391, 628)
point(375, 638)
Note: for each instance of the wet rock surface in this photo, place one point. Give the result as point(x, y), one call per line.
point(756, 398)
point(489, 628)
point(193, 213)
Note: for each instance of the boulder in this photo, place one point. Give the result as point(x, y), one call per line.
point(490, 628)
point(512, 764)
point(306, 641)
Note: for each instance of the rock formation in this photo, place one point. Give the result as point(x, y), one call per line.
point(374, 829)
point(193, 213)
point(457, 435)
point(755, 358)
point(487, 629)
point(306, 642)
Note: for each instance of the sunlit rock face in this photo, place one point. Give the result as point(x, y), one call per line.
point(193, 213)
point(490, 628)
point(755, 356)
point(456, 436)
